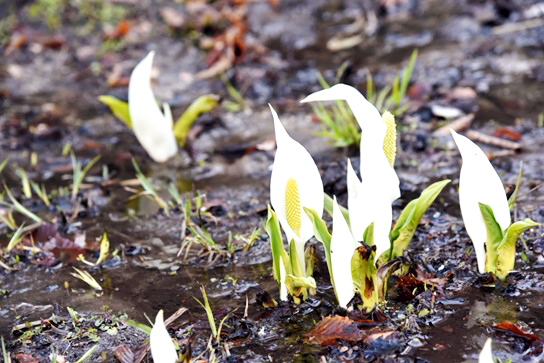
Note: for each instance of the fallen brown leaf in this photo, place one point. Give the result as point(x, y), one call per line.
point(333, 328)
point(26, 358)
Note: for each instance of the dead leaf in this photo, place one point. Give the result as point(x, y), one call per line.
point(506, 133)
point(119, 32)
point(124, 354)
point(26, 358)
point(457, 125)
point(385, 335)
point(332, 328)
point(532, 344)
point(16, 41)
point(174, 18)
point(492, 140)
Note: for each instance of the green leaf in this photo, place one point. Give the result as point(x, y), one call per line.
point(297, 282)
point(365, 277)
point(321, 234)
point(494, 237)
point(329, 206)
point(515, 193)
point(276, 242)
point(3, 164)
point(118, 107)
point(296, 268)
point(368, 236)
point(506, 249)
point(199, 106)
point(384, 273)
point(403, 231)
point(140, 326)
point(16, 238)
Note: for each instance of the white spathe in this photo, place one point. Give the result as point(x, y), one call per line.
point(293, 164)
point(152, 127)
point(373, 132)
point(369, 202)
point(486, 355)
point(479, 183)
point(163, 349)
point(343, 246)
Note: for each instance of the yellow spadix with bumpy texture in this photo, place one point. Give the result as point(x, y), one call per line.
point(390, 140)
point(374, 163)
point(293, 208)
point(295, 183)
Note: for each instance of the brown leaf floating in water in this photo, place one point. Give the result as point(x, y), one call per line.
point(332, 328)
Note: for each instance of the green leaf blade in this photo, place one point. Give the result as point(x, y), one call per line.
point(199, 106)
point(118, 108)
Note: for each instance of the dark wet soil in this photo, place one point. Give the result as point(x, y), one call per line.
point(58, 58)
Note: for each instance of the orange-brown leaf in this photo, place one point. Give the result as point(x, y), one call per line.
point(333, 328)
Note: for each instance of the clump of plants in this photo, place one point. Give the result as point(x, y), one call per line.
point(362, 250)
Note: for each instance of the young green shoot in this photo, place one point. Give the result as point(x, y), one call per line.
point(216, 330)
point(202, 104)
point(21, 208)
point(6, 217)
point(104, 252)
point(41, 192)
point(5, 353)
point(80, 173)
point(87, 278)
point(88, 354)
point(3, 164)
point(149, 189)
point(341, 126)
point(16, 238)
point(25, 182)
point(238, 102)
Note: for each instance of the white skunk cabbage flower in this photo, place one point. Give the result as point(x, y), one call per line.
point(343, 246)
point(486, 355)
point(369, 202)
point(479, 183)
point(295, 183)
point(374, 129)
point(163, 349)
point(153, 128)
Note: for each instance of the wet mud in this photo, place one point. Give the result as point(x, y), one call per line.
point(475, 57)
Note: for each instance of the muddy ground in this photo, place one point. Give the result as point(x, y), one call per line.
point(475, 57)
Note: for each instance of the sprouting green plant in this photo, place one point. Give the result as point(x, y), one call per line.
point(202, 104)
point(3, 164)
point(8, 219)
point(87, 354)
point(5, 353)
point(341, 126)
point(67, 148)
point(41, 192)
point(149, 189)
point(391, 97)
point(288, 272)
point(80, 173)
point(49, 10)
point(25, 182)
point(404, 229)
point(216, 329)
point(104, 252)
point(238, 102)
point(87, 278)
point(20, 208)
point(16, 238)
point(486, 211)
point(154, 127)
